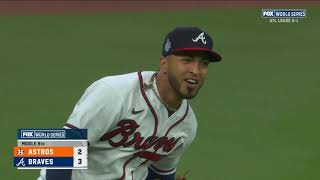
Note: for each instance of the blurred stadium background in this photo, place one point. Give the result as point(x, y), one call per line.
point(258, 112)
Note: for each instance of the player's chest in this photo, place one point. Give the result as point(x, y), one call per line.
point(143, 130)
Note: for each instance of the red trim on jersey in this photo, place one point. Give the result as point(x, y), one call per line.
point(149, 104)
point(179, 121)
point(149, 155)
point(171, 127)
point(124, 167)
point(71, 126)
point(155, 123)
point(154, 132)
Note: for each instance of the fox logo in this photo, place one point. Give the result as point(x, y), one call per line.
point(202, 37)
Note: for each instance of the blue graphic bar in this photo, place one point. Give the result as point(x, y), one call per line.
point(43, 162)
point(51, 134)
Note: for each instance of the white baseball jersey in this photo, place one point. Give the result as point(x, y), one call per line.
point(129, 129)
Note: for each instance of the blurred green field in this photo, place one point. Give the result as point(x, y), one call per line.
point(258, 112)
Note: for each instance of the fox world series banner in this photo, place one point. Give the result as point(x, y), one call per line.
point(51, 149)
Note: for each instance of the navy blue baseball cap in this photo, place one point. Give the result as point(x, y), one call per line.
point(189, 39)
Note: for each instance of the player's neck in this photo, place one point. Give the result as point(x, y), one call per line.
point(166, 92)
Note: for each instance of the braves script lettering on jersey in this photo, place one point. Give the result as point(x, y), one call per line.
point(122, 143)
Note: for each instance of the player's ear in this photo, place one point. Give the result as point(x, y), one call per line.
point(163, 64)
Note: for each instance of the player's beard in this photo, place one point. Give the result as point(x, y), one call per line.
point(177, 87)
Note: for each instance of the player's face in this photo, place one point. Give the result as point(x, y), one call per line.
point(187, 71)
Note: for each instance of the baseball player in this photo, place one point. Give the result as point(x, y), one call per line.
point(139, 124)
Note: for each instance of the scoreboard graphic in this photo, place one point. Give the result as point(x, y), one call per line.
point(51, 149)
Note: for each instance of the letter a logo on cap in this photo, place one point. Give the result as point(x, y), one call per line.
point(202, 37)
point(167, 46)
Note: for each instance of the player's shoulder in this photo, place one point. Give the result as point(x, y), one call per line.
point(118, 80)
point(124, 81)
point(122, 85)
